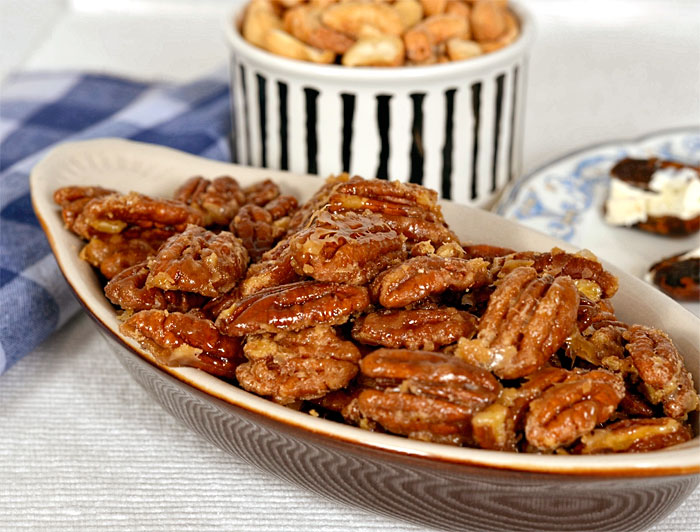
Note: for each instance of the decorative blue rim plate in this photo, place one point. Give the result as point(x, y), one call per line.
point(565, 197)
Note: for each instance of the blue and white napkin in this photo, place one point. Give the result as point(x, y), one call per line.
point(39, 110)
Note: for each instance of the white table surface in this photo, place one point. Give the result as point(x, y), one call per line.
point(82, 447)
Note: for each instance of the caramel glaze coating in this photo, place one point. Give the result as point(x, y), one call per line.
point(199, 261)
point(346, 248)
point(664, 377)
point(423, 276)
point(427, 329)
point(423, 395)
point(178, 339)
point(302, 365)
point(274, 269)
point(569, 409)
point(293, 307)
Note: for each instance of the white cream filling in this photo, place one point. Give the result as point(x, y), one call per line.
point(674, 192)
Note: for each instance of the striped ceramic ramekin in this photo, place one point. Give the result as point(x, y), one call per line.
point(454, 127)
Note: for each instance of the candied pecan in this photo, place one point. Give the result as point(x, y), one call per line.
point(293, 307)
point(409, 209)
point(282, 207)
point(113, 213)
point(274, 269)
point(261, 193)
point(199, 261)
point(423, 395)
point(665, 379)
point(588, 274)
point(527, 319)
point(634, 404)
point(678, 277)
point(595, 314)
point(302, 216)
point(254, 226)
point(217, 201)
point(602, 347)
point(349, 247)
point(420, 277)
point(499, 425)
point(567, 410)
point(177, 339)
point(114, 253)
point(426, 329)
point(73, 200)
point(128, 291)
point(302, 365)
point(635, 436)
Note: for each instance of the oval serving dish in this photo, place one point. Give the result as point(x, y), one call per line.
point(441, 486)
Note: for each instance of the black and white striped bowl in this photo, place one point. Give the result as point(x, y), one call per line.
point(455, 127)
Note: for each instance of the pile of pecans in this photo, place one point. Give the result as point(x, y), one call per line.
point(362, 306)
point(379, 32)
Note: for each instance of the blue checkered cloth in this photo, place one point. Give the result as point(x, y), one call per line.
point(38, 110)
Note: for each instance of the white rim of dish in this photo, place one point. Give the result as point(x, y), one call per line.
point(681, 460)
point(277, 63)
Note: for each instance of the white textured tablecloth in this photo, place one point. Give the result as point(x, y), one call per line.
point(83, 447)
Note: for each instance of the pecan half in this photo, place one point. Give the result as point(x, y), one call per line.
point(73, 200)
point(199, 261)
point(567, 410)
point(499, 426)
point(426, 329)
point(665, 379)
point(261, 193)
point(128, 291)
point(114, 253)
point(260, 228)
point(345, 248)
point(409, 209)
point(635, 436)
point(293, 307)
point(112, 214)
point(423, 395)
point(217, 201)
point(420, 277)
point(303, 365)
point(527, 319)
point(177, 339)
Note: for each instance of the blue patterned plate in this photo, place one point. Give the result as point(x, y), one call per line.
point(565, 197)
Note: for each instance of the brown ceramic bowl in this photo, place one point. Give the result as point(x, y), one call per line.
point(437, 485)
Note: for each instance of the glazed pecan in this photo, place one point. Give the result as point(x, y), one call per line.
point(601, 347)
point(486, 251)
point(499, 426)
point(293, 307)
point(409, 209)
point(592, 315)
point(73, 200)
point(420, 277)
point(592, 280)
point(115, 212)
point(260, 228)
point(634, 404)
point(114, 253)
point(665, 379)
point(426, 329)
point(569, 409)
point(177, 339)
point(302, 365)
point(345, 248)
point(128, 291)
point(274, 269)
point(527, 319)
point(303, 215)
point(423, 395)
point(635, 436)
point(199, 261)
point(217, 201)
point(261, 193)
